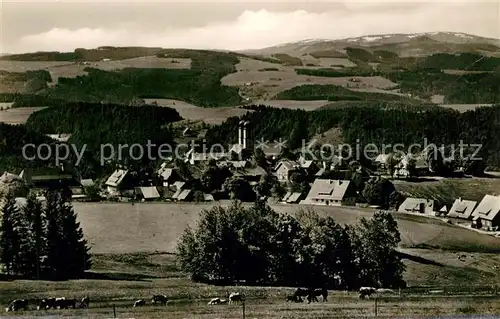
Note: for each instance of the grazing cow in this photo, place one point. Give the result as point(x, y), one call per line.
point(215, 301)
point(139, 303)
point(314, 293)
point(63, 303)
point(85, 302)
point(366, 291)
point(301, 292)
point(46, 304)
point(235, 297)
point(161, 299)
point(223, 301)
point(17, 304)
point(293, 298)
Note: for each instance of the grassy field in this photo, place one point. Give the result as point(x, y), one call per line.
point(266, 84)
point(131, 247)
point(118, 280)
point(155, 227)
point(17, 115)
point(447, 190)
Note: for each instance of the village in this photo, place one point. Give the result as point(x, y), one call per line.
point(273, 178)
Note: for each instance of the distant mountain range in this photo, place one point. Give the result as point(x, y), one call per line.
point(402, 44)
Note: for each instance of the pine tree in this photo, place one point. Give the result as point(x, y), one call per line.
point(31, 231)
point(9, 236)
point(76, 251)
point(53, 236)
point(67, 251)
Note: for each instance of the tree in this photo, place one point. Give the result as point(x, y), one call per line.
point(396, 199)
point(10, 241)
point(67, 254)
point(259, 158)
point(32, 238)
point(76, 252)
point(214, 177)
point(379, 238)
point(377, 191)
point(265, 185)
point(239, 189)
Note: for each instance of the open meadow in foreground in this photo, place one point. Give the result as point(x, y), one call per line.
point(133, 258)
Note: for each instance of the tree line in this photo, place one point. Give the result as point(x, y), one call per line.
point(380, 123)
point(42, 240)
point(260, 246)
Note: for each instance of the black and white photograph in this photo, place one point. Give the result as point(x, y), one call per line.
point(249, 159)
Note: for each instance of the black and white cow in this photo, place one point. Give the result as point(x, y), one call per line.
point(17, 304)
point(46, 304)
point(235, 297)
point(366, 292)
point(139, 303)
point(161, 299)
point(84, 303)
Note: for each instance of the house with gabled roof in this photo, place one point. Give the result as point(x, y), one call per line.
point(168, 175)
point(147, 192)
point(487, 213)
point(120, 183)
point(413, 205)
point(330, 192)
point(48, 177)
point(462, 209)
point(292, 197)
point(63, 138)
point(284, 169)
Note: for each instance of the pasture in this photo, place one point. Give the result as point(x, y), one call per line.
point(118, 280)
point(448, 189)
point(17, 115)
point(214, 115)
point(155, 227)
point(132, 249)
point(265, 85)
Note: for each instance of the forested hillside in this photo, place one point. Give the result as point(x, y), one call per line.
point(12, 140)
point(374, 124)
point(94, 125)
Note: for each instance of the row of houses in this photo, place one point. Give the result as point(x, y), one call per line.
point(483, 215)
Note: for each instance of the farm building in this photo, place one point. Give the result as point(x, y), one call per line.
point(168, 175)
point(417, 205)
point(60, 137)
point(234, 164)
point(487, 213)
point(284, 169)
point(330, 192)
point(53, 177)
point(87, 182)
point(252, 174)
point(462, 209)
point(292, 198)
point(119, 183)
point(147, 192)
point(382, 160)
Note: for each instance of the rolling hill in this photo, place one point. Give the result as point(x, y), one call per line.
point(402, 44)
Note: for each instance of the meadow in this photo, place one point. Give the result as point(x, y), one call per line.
point(133, 246)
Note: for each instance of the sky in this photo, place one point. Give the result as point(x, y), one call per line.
point(63, 25)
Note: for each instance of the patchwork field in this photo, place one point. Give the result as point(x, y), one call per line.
point(195, 113)
point(17, 115)
point(71, 69)
point(259, 80)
